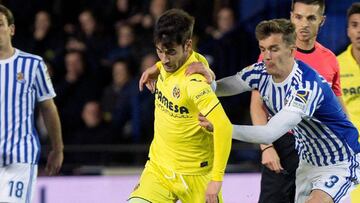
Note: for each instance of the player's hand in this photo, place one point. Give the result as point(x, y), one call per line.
point(148, 78)
point(54, 162)
point(199, 67)
point(205, 123)
point(212, 191)
point(271, 160)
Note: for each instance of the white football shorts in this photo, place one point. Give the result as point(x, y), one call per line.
point(336, 180)
point(17, 182)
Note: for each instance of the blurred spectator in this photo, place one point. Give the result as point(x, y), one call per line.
point(225, 23)
point(156, 8)
point(144, 30)
point(95, 130)
point(45, 41)
point(77, 87)
point(227, 50)
point(95, 41)
point(119, 103)
point(146, 101)
point(124, 44)
point(125, 11)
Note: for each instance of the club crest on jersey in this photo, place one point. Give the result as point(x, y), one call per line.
point(20, 77)
point(176, 92)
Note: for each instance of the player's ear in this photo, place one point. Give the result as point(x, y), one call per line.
point(292, 50)
point(322, 20)
point(12, 30)
point(188, 45)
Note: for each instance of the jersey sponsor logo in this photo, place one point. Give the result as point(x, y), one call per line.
point(351, 91)
point(169, 104)
point(346, 75)
point(20, 77)
point(176, 92)
point(300, 99)
point(302, 96)
point(203, 92)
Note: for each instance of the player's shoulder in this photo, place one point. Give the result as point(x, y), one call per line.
point(194, 79)
point(29, 55)
point(325, 52)
point(200, 58)
point(308, 73)
point(343, 56)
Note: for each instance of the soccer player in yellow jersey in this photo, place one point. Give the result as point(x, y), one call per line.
point(349, 62)
point(186, 162)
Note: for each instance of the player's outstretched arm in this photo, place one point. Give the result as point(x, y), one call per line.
point(148, 78)
point(269, 156)
point(222, 145)
point(52, 123)
point(277, 126)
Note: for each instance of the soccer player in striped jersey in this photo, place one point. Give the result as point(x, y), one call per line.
point(24, 84)
point(298, 99)
point(280, 159)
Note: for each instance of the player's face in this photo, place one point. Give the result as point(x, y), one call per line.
point(277, 54)
point(353, 30)
point(307, 20)
point(173, 57)
point(6, 31)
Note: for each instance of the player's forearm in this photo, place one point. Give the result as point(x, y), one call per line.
point(231, 85)
point(222, 141)
point(52, 123)
point(278, 125)
point(257, 112)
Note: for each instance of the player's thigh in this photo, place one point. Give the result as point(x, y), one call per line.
point(17, 182)
point(197, 185)
point(151, 188)
point(337, 185)
point(319, 196)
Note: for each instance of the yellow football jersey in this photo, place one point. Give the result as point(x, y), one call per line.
point(179, 143)
point(350, 83)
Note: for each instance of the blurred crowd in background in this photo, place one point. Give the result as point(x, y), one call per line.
point(96, 50)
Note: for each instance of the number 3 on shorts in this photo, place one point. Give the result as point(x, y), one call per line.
point(333, 179)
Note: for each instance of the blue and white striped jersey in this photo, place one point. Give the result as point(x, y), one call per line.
point(24, 80)
point(324, 136)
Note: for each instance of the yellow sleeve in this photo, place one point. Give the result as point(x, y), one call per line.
point(208, 104)
point(222, 141)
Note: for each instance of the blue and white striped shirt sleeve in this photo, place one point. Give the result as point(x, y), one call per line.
point(252, 74)
point(43, 85)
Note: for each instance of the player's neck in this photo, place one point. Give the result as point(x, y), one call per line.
point(305, 45)
point(356, 54)
point(6, 52)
